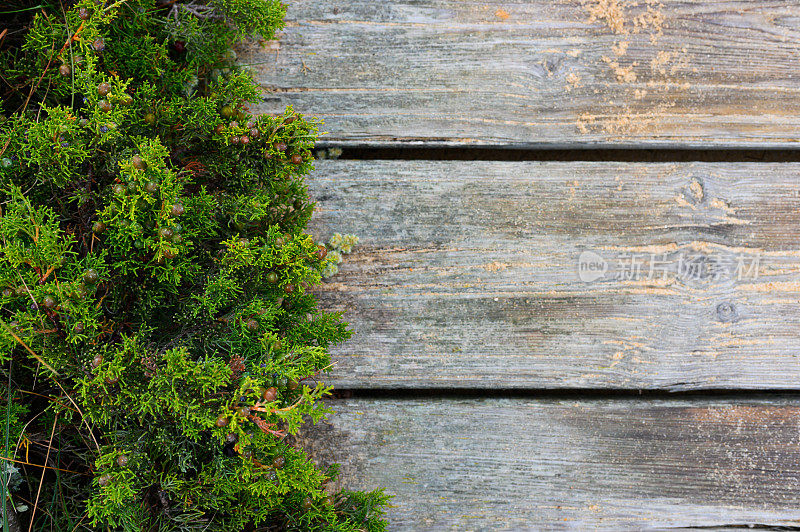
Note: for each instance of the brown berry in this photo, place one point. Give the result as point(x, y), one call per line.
point(65, 70)
point(83, 13)
point(48, 302)
point(99, 45)
point(104, 105)
point(289, 288)
point(149, 119)
point(103, 89)
point(280, 146)
point(222, 421)
point(177, 209)
point(269, 395)
point(307, 503)
point(252, 325)
point(322, 252)
point(98, 228)
point(104, 481)
point(297, 159)
point(122, 460)
point(138, 162)
point(112, 379)
point(243, 411)
point(278, 462)
point(219, 129)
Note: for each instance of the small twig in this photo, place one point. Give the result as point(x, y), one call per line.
point(23, 344)
point(22, 462)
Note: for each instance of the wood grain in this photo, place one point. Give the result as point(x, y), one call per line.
point(515, 464)
point(540, 73)
point(467, 274)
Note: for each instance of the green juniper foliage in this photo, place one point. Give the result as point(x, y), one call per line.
point(157, 336)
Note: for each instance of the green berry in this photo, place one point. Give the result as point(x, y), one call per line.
point(226, 111)
point(151, 187)
point(48, 302)
point(98, 228)
point(272, 278)
point(90, 276)
point(149, 119)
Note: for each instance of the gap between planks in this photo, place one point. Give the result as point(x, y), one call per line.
point(442, 152)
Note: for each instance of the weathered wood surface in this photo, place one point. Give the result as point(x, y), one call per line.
point(539, 72)
point(513, 464)
point(467, 274)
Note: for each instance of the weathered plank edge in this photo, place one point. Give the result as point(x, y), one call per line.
point(516, 464)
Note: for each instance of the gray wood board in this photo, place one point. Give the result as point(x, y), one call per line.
point(517, 464)
point(540, 73)
point(467, 274)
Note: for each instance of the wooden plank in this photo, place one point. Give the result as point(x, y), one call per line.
point(538, 73)
point(467, 274)
point(518, 464)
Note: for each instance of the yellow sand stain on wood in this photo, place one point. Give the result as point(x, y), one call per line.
point(495, 266)
point(610, 12)
point(502, 14)
point(573, 80)
point(623, 74)
point(620, 48)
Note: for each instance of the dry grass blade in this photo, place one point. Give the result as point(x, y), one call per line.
point(44, 470)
